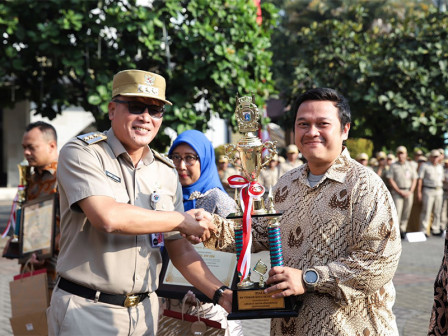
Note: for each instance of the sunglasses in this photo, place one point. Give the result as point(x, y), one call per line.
point(136, 107)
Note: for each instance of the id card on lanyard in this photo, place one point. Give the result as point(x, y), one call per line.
point(156, 238)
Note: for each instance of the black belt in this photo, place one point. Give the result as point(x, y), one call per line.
point(123, 300)
point(432, 187)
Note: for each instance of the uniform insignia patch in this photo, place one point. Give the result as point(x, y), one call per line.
point(92, 137)
point(149, 79)
point(163, 158)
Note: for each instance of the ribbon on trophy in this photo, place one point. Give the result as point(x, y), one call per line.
point(250, 190)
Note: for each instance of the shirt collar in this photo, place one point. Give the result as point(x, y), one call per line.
point(118, 148)
point(337, 171)
point(51, 168)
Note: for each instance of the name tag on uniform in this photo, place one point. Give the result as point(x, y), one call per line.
point(113, 177)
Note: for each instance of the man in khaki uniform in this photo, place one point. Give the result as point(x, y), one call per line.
point(430, 193)
point(269, 175)
point(292, 159)
point(118, 198)
point(363, 159)
point(402, 179)
point(224, 172)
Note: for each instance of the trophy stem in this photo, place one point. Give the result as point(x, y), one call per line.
point(275, 244)
point(245, 284)
point(238, 241)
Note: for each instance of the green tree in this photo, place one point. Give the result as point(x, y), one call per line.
point(64, 53)
point(393, 71)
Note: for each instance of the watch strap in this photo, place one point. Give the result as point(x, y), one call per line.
point(218, 294)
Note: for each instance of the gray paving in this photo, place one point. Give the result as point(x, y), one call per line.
point(413, 280)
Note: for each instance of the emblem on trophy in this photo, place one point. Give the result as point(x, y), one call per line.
point(249, 299)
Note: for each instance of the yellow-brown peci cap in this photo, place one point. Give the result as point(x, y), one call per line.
point(139, 83)
point(292, 149)
point(401, 149)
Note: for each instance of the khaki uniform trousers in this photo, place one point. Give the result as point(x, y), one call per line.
point(404, 206)
point(432, 200)
point(72, 315)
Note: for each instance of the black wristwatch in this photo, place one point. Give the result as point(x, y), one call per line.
point(218, 294)
point(310, 278)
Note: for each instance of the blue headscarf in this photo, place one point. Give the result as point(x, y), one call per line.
point(209, 178)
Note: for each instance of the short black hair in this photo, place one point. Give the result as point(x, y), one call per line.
point(345, 115)
point(48, 130)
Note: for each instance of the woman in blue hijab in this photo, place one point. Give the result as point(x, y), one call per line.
point(194, 157)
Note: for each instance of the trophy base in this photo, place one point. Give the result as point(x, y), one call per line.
point(12, 251)
point(254, 304)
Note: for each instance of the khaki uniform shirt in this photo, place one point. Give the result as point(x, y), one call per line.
point(346, 228)
point(403, 174)
point(223, 176)
point(268, 177)
point(113, 263)
point(287, 166)
point(431, 175)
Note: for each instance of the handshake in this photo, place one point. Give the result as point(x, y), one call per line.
point(197, 225)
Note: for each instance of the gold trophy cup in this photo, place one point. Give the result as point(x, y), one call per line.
point(249, 300)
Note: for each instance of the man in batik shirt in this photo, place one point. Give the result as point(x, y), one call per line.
point(339, 230)
point(40, 149)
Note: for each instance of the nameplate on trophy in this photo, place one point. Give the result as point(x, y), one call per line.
point(257, 299)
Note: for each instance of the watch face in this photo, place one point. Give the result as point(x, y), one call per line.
point(311, 277)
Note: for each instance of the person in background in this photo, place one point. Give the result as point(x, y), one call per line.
point(430, 193)
point(40, 149)
point(269, 175)
point(116, 196)
point(418, 154)
point(390, 159)
point(194, 157)
point(403, 180)
point(341, 248)
point(292, 159)
point(224, 172)
point(381, 168)
point(373, 163)
point(363, 159)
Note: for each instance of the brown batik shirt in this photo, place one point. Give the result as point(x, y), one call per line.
point(345, 228)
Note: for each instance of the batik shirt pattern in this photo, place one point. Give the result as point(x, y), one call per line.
point(346, 229)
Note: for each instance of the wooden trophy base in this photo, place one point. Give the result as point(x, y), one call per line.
point(253, 303)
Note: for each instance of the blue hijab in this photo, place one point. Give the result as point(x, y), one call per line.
point(209, 178)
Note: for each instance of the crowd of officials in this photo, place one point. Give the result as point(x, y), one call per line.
point(418, 184)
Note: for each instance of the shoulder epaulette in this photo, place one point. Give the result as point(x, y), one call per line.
point(92, 137)
point(163, 158)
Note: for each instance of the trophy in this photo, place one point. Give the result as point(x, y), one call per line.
point(13, 250)
point(249, 300)
point(24, 171)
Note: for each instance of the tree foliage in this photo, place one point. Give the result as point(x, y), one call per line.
point(392, 67)
point(64, 53)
